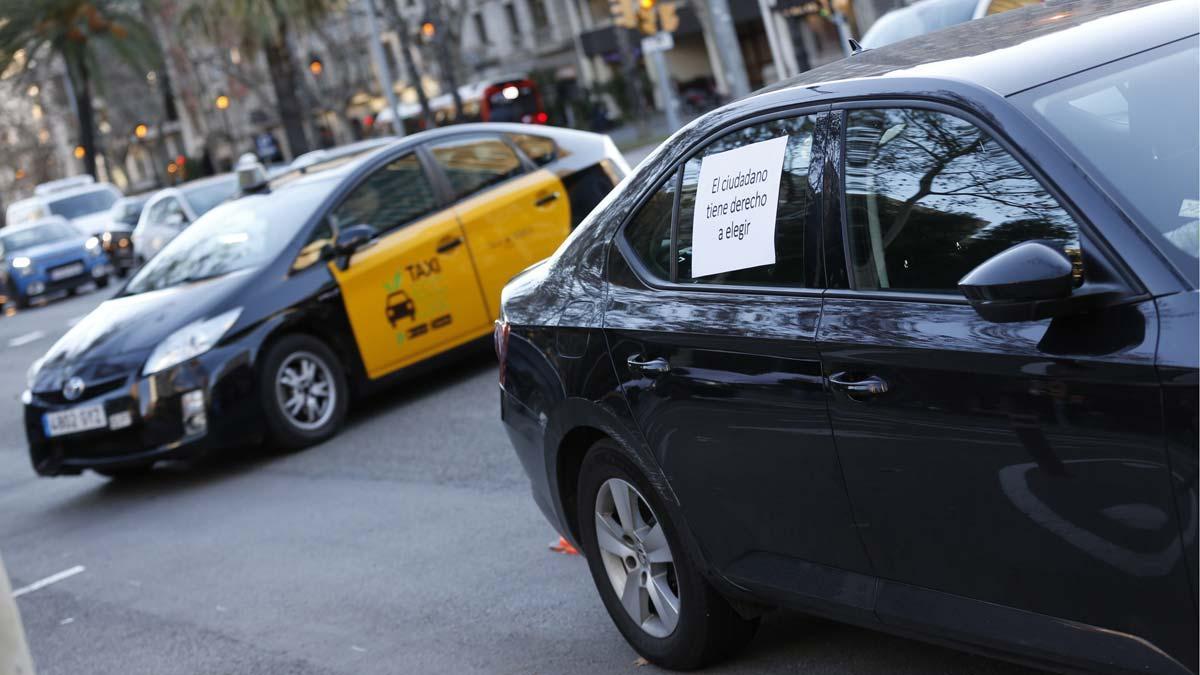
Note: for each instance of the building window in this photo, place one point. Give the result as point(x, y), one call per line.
point(540, 19)
point(480, 27)
point(513, 25)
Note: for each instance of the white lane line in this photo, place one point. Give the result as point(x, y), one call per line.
point(52, 579)
point(22, 340)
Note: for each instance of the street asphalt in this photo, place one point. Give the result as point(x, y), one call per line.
point(408, 544)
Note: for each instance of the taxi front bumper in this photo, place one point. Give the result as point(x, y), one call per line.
point(147, 419)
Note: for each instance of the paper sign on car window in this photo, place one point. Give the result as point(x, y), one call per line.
point(738, 193)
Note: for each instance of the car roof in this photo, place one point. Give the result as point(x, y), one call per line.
point(35, 223)
point(342, 164)
point(1016, 50)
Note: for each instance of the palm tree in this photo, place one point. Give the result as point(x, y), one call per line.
point(266, 26)
point(32, 34)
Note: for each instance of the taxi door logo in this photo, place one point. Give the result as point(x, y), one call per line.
point(427, 286)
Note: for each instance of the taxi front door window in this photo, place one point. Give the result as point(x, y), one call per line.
point(393, 196)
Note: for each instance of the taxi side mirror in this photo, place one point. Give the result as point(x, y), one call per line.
point(351, 240)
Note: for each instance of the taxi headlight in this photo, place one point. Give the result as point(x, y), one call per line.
point(190, 341)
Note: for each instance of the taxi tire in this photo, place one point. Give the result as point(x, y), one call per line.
point(709, 629)
point(280, 431)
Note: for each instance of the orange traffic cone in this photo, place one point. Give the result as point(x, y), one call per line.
point(563, 546)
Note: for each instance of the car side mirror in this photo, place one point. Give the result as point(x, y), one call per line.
point(1026, 282)
point(350, 240)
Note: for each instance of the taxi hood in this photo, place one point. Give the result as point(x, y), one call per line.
point(135, 324)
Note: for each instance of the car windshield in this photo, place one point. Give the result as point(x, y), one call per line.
point(1136, 124)
point(36, 235)
point(237, 235)
point(126, 211)
point(83, 204)
point(917, 19)
point(204, 197)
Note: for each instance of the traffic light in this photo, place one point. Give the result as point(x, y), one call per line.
point(646, 17)
point(428, 29)
point(315, 66)
point(624, 13)
point(141, 130)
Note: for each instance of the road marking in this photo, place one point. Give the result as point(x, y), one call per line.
point(22, 340)
point(52, 579)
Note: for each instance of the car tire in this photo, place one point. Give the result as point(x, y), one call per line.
point(126, 473)
point(707, 628)
point(102, 282)
point(286, 365)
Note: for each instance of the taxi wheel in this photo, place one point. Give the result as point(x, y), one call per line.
point(652, 589)
point(304, 392)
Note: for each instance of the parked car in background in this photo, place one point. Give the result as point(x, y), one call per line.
point(48, 256)
point(265, 316)
point(117, 240)
point(79, 199)
point(172, 209)
point(909, 341)
point(927, 16)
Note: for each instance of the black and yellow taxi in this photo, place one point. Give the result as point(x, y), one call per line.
point(265, 317)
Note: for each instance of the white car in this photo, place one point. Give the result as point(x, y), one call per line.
point(79, 199)
point(171, 210)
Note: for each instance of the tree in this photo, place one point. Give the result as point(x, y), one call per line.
point(266, 27)
point(33, 34)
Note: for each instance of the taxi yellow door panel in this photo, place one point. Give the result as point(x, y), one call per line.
point(513, 226)
point(512, 218)
point(412, 292)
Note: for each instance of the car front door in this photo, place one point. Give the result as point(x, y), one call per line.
point(513, 215)
point(412, 291)
point(721, 369)
point(1018, 464)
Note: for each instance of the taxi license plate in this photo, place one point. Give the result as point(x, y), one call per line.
point(66, 272)
point(75, 420)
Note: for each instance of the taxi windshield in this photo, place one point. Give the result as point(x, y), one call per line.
point(237, 235)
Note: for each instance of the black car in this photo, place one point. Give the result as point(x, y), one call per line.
point(943, 385)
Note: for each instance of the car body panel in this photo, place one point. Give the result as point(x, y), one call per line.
point(441, 285)
point(1080, 396)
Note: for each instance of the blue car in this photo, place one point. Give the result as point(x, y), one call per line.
point(47, 256)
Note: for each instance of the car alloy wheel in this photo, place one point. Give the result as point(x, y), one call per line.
point(637, 558)
point(305, 391)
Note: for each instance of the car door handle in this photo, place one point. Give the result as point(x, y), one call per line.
point(447, 245)
point(871, 385)
point(652, 367)
point(546, 199)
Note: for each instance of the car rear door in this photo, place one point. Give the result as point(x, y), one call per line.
point(412, 292)
point(513, 214)
point(721, 370)
point(1017, 464)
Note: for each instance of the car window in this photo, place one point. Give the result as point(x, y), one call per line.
point(1136, 124)
point(169, 214)
point(245, 233)
point(539, 149)
point(203, 198)
point(794, 242)
point(649, 233)
point(394, 195)
point(929, 196)
point(474, 163)
point(83, 204)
